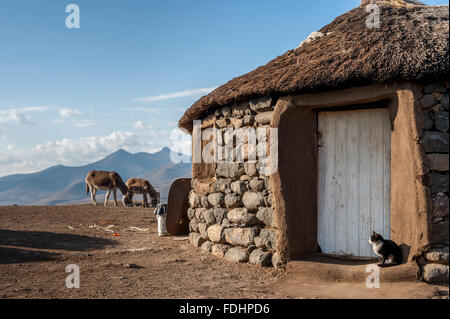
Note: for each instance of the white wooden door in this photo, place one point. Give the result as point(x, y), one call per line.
point(354, 180)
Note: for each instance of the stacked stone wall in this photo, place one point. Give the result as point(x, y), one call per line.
point(231, 213)
point(434, 101)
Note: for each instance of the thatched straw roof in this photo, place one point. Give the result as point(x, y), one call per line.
point(411, 44)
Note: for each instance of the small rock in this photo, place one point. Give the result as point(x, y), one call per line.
point(208, 217)
point(439, 256)
point(199, 214)
point(202, 228)
point(438, 182)
point(240, 109)
point(435, 142)
point(440, 205)
point(196, 239)
point(226, 223)
point(427, 121)
point(441, 121)
point(206, 246)
point(248, 120)
point(226, 111)
point(261, 104)
point(434, 87)
point(428, 101)
point(221, 185)
point(237, 122)
point(435, 273)
point(219, 214)
point(257, 185)
point(250, 169)
point(133, 266)
point(222, 123)
point(216, 199)
point(263, 118)
point(215, 234)
point(233, 201)
point(230, 170)
point(439, 233)
point(438, 162)
point(265, 215)
point(239, 187)
point(219, 250)
point(276, 260)
point(268, 238)
point(242, 217)
point(193, 225)
point(204, 202)
point(253, 200)
point(260, 257)
point(240, 236)
point(237, 255)
point(191, 213)
point(208, 121)
point(194, 200)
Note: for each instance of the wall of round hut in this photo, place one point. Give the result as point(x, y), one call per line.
point(231, 203)
point(398, 72)
point(434, 102)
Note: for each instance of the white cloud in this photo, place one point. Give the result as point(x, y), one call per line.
point(35, 108)
point(192, 92)
point(69, 112)
point(72, 152)
point(141, 125)
point(85, 123)
point(18, 115)
point(14, 115)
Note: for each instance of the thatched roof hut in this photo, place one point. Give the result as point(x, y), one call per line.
point(357, 122)
point(411, 44)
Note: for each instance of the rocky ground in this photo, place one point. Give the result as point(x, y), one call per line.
point(120, 255)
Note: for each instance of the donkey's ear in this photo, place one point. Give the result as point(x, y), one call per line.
point(374, 233)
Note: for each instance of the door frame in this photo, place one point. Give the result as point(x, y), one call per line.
point(381, 105)
point(294, 185)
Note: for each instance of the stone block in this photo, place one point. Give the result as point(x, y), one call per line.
point(196, 239)
point(215, 234)
point(242, 217)
point(237, 255)
point(260, 257)
point(435, 142)
point(253, 200)
point(435, 273)
point(240, 236)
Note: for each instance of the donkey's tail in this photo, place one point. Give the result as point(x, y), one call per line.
point(87, 189)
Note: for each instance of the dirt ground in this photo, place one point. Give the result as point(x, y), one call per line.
point(120, 255)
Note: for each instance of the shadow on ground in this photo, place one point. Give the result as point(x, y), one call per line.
point(48, 240)
point(17, 255)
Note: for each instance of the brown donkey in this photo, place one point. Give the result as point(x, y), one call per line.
point(106, 181)
point(143, 186)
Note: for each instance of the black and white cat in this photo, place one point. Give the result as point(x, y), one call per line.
point(390, 253)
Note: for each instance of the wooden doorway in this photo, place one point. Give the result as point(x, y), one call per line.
point(354, 183)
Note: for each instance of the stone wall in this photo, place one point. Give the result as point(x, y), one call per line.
point(231, 213)
point(435, 143)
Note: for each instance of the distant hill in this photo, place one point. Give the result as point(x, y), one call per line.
point(60, 184)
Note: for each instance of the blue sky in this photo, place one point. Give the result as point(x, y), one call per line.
point(123, 80)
